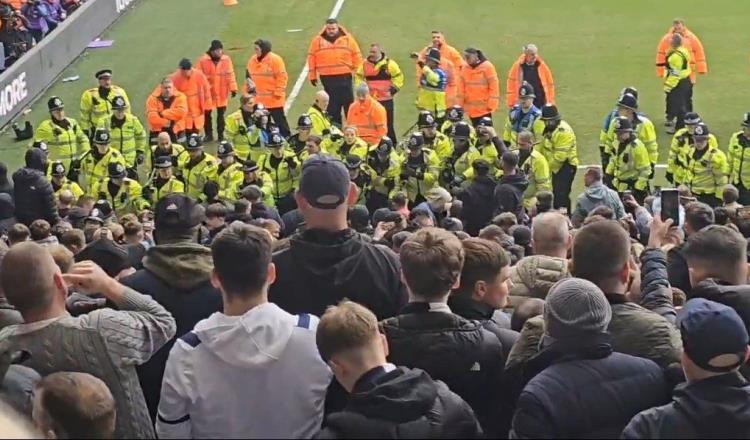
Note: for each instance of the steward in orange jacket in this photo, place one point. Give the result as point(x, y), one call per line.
point(267, 72)
point(451, 63)
point(193, 83)
point(530, 67)
point(333, 57)
point(166, 109)
point(368, 116)
point(219, 71)
point(478, 86)
point(691, 42)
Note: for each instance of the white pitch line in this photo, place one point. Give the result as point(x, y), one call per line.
point(303, 74)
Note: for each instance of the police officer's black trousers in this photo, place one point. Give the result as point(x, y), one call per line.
point(562, 181)
point(339, 89)
point(390, 113)
point(677, 102)
point(220, 111)
point(285, 204)
point(709, 199)
point(279, 118)
point(375, 201)
point(744, 195)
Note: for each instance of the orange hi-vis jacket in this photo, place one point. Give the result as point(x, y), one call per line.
point(451, 63)
point(690, 42)
point(220, 76)
point(166, 115)
point(338, 58)
point(270, 78)
point(369, 118)
point(515, 79)
point(198, 94)
point(479, 89)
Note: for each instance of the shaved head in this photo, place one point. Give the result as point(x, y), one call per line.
point(28, 274)
point(550, 234)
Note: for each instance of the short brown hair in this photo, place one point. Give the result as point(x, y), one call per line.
point(215, 210)
point(132, 228)
point(63, 257)
point(18, 233)
point(73, 237)
point(600, 250)
point(698, 215)
point(431, 261)
point(77, 405)
point(241, 256)
point(718, 249)
point(40, 229)
point(118, 232)
point(347, 326)
point(483, 261)
point(84, 200)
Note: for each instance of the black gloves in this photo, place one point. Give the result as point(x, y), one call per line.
point(626, 158)
point(291, 163)
point(393, 90)
point(389, 183)
point(336, 137)
point(242, 130)
point(234, 93)
point(140, 157)
point(314, 82)
point(147, 193)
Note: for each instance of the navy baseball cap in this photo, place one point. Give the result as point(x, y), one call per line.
point(324, 182)
point(714, 336)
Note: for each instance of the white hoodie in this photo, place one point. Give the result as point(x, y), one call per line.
point(250, 376)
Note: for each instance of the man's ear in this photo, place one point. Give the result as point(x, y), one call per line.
point(457, 283)
point(301, 202)
point(60, 284)
point(351, 198)
point(271, 274)
point(479, 290)
point(625, 272)
point(215, 282)
point(386, 349)
point(338, 369)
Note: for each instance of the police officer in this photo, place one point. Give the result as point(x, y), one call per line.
point(707, 168)
point(434, 139)
point(61, 183)
point(383, 168)
point(243, 133)
point(349, 143)
point(522, 116)
point(458, 168)
point(561, 151)
point(230, 174)
point(165, 147)
point(489, 144)
point(643, 128)
point(453, 115)
point(679, 149)
point(64, 137)
point(253, 176)
point(198, 168)
point(432, 83)
point(629, 164)
point(128, 135)
point(97, 103)
point(283, 167)
point(95, 163)
point(360, 178)
point(534, 166)
point(739, 160)
point(298, 140)
point(164, 182)
point(123, 193)
point(419, 170)
point(604, 133)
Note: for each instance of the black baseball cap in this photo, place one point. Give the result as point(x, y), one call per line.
point(178, 211)
point(324, 182)
point(107, 254)
point(714, 336)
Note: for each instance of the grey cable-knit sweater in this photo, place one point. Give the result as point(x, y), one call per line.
point(105, 343)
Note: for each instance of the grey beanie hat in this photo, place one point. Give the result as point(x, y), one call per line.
point(575, 306)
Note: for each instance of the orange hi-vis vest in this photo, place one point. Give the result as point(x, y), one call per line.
point(220, 76)
point(479, 89)
point(198, 94)
point(270, 78)
point(166, 114)
point(378, 80)
point(338, 58)
point(370, 119)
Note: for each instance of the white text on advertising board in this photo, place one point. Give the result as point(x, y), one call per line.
point(122, 4)
point(13, 93)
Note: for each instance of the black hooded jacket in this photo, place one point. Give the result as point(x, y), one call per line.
point(321, 268)
point(479, 204)
point(509, 194)
point(32, 192)
point(402, 403)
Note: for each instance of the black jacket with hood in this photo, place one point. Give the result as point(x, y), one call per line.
point(32, 192)
point(509, 195)
point(479, 204)
point(177, 276)
point(321, 268)
point(402, 403)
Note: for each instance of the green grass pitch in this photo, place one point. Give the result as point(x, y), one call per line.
point(593, 47)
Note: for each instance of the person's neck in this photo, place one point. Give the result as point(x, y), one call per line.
point(554, 253)
point(365, 367)
point(330, 223)
point(613, 287)
point(54, 311)
point(238, 306)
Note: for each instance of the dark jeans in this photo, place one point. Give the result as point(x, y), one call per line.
point(286, 204)
point(709, 199)
point(37, 34)
point(339, 89)
point(562, 181)
point(606, 178)
point(219, 123)
point(390, 113)
point(744, 195)
point(279, 118)
point(677, 102)
point(475, 121)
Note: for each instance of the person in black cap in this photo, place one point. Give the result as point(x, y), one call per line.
point(123, 193)
point(680, 147)
point(382, 165)
point(604, 134)
point(95, 163)
point(707, 166)
point(433, 138)
point(737, 152)
point(64, 134)
point(491, 147)
point(629, 165)
point(419, 170)
point(97, 102)
point(432, 83)
point(198, 167)
point(252, 175)
point(299, 139)
point(283, 168)
point(109, 256)
point(219, 71)
point(128, 135)
point(522, 116)
point(193, 83)
point(357, 175)
point(229, 175)
point(561, 151)
point(177, 274)
point(453, 115)
point(456, 168)
point(328, 261)
point(33, 194)
point(713, 403)
point(267, 72)
point(627, 106)
point(164, 182)
point(478, 198)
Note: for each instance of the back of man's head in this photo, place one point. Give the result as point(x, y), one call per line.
point(74, 405)
point(347, 330)
point(483, 261)
point(600, 252)
point(18, 233)
point(550, 235)
point(242, 261)
point(431, 262)
point(697, 216)
point(28, 276)
point(177, 219)
point(717, 252)
point(63, 257)
point(730, 194)
point(74, 240)
point(525, 310)
point(324, 190)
